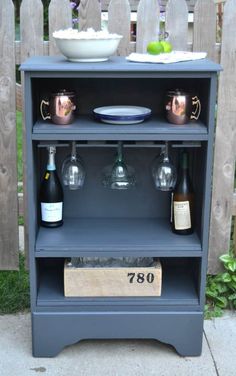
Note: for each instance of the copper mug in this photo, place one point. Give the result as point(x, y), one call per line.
point(60, 107)
point(182, 107)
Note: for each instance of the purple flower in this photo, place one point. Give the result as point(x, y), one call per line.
point(75, 20)
point(162, 8)
point(73, 4)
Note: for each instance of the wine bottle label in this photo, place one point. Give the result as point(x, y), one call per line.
point(182, 217)
point(51, 212)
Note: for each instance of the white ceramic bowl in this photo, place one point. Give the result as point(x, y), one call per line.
point(88, 49)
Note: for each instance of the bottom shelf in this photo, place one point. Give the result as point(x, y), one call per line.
point(179, 287)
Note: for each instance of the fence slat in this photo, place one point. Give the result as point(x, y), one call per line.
point(31, 30)
point(147, 23)
point(177, 23)
point(204, 31)
point(59, 17)
point(162, 3)
point(119, 22)
point(89, 14)
point(8, 167)
point(225, 144)
point(234, 203)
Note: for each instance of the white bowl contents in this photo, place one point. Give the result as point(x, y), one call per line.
point(86, 46)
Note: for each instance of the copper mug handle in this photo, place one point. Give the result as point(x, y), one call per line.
point(196, 112)
point(44, 103)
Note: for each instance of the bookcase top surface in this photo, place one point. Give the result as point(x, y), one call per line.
point(115, 64)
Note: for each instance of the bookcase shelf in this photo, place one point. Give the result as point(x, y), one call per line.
point(119, 237)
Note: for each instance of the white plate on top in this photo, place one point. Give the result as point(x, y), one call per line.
point(122, 114)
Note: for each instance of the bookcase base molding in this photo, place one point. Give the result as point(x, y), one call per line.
point(182, 330)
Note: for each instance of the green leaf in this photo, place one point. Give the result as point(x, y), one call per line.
point(212, 311)
point(222, 288)
point(233, 277)
point(232, 296)
point(218, 312)
point(232, 285)
point(225, 258)
point(221, 302)
point(211, 294)
point(218, 278)
point(226, 277)
point(232, 265)
point(212, 285)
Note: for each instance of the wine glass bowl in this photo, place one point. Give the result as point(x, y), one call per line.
point(73, 172)
point(164, 172)
point(119, 175)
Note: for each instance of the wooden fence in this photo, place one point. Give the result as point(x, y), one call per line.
point(176, 20)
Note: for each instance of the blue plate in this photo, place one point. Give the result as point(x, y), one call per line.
point(122, 114)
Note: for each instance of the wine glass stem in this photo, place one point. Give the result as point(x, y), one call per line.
point(73, 150)
point(166, 152)
point(120, 151)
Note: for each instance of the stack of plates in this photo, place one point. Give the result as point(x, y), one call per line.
point(122, 114)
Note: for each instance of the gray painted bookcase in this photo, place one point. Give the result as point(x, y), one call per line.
point(108, 223)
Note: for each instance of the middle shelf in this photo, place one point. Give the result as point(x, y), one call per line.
point(116, 236)
point(86, 128)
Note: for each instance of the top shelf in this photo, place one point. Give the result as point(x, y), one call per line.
point(115, 65)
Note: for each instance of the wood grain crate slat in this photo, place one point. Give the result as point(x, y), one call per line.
point(95, 282)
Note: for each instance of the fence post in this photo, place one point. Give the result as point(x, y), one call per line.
point(147, 23)
point(31, 28)
point(59, 17)
point(119, 22)
point(225, 144)
point(9, 255)
point(177, 23)
point(89, 14)
point(204, 31)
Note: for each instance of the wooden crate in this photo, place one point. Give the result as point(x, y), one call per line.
point(95, 282)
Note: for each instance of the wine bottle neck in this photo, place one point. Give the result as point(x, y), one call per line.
point(184, 162)
point(51, 166)
point(184, 183)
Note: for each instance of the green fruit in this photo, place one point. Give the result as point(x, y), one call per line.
point(155, 48)
point(167, 46)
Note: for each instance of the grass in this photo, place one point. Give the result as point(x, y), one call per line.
point(14, 290)
point(21, 220)
point(14, 285)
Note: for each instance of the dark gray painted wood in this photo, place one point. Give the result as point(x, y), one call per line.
point(112, 234)
point(183, 330)
point(114, 64)
point(208, 189)
point(98, 222)
point(85, 128)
